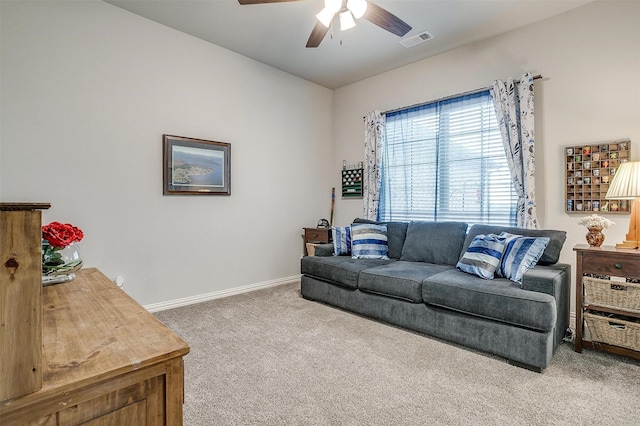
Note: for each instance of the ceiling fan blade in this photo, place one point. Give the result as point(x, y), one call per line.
point(317, 35)
point(386, 20)
point(243, 2)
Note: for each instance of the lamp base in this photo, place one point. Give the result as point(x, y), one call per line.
point(633, 236)
point(628, 245)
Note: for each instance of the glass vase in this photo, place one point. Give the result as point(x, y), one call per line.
point(60, 264)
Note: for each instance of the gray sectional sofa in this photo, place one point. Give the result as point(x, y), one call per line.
point(419, 288)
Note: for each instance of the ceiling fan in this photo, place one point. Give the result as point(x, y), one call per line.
point(347, 10)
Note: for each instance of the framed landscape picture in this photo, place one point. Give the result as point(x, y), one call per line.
point(196, 166)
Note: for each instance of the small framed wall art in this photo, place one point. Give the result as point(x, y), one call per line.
point(196, 166)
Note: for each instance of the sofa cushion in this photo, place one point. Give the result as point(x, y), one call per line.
point(482, 258)
point(402, 280)
point(551, 254)
point(341, 240)
point(396, 234)
point(369, 241)
point(340, 270)
point(498, 299)
point(434, 242)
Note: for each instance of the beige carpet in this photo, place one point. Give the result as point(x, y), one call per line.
point(271, 357)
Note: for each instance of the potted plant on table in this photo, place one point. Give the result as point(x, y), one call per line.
point(595, 224)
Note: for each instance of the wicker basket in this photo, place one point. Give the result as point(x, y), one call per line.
point(613, 331)
point(613, 294)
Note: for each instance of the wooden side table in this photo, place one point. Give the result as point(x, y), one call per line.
point(107, 361)
point(603, 261)
point(317, 236)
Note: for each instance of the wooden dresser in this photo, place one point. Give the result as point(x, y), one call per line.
point(608, 261)
point(106, 361)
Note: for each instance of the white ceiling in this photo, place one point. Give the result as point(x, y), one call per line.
point(276, 34)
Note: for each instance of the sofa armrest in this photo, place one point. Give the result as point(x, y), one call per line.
point(554, 280)
point(547, 279)
point(325, 249)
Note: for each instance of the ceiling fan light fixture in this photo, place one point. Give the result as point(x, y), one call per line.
point(325, 17)
point(333, 6)
point(348, 10)
point(357, 7)
point(346, 20)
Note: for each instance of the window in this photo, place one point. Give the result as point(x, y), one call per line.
point(445, 161)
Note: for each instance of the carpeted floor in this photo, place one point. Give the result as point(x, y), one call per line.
point(271, 357)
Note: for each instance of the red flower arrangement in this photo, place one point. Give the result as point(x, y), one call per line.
point(57, 236)
point(60, 235)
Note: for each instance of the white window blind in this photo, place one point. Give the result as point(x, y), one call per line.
point(445, 161)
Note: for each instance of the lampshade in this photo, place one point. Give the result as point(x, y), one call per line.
point(325, 16)
point(346, 20)
point(357, 7)
point(626, 182)
point(626, 185)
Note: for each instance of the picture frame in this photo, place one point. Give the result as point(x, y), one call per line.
point(196, 166)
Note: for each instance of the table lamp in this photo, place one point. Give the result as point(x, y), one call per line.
point(626, 186)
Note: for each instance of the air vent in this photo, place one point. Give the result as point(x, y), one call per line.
point(416, 39)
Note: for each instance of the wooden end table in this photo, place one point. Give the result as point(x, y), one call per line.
point(317, 236)
point(603, 261)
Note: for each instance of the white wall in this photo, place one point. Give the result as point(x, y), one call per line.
point(590, 60)
point(88, 89)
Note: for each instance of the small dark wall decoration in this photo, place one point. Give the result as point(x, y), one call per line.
point(352, 183)
point(196, 166)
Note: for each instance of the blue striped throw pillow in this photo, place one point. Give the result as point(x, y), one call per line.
point(341, 240)
point(521, 254)
point(509, 238)
point(482, 258)
point(369, 241)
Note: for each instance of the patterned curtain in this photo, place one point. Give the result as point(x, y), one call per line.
point(373, 137)
point(513, 102)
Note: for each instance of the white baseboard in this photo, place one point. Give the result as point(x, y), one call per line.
point(185, 301)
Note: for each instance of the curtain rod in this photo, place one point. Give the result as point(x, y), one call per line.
point(471, 92)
